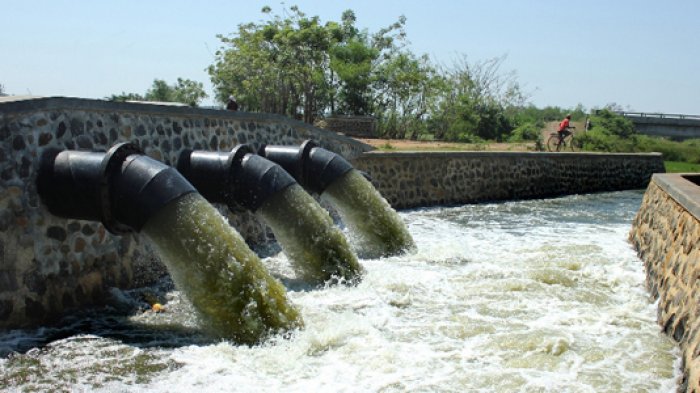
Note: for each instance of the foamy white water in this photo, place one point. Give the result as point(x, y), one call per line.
point(532, 296)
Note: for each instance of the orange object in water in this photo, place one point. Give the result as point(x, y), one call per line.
point(157, 307)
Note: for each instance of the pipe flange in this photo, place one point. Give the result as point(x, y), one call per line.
point(238, 152)
point(303, 159)
point(110, 166)
point(234, 163)
point(235, 159)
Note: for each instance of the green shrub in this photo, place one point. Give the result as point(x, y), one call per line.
point(686, 151)
point(530, 131)
point(598, 139)
point(611, 123)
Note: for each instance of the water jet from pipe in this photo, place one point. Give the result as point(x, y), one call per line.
point(317, 250)
point(376, 226)
point(234, 295)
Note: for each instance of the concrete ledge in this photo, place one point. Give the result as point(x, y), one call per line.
point(681, 189)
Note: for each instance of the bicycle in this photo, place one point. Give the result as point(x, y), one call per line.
point(556, 143)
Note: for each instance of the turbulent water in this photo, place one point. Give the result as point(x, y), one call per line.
point(232, 291)
point(315, 247)
point(533, 296)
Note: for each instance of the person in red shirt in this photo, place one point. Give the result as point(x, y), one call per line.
point(564, 127)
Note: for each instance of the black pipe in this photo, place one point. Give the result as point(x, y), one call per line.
point(239, 178)
point(315, 168)
point(122, 188)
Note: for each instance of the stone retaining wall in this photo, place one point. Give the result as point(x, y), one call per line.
point(356, 126)
point(409, 180)
point(50, 264)
point(666, 234)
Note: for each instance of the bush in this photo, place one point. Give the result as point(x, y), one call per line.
point(611, 123)
point(530, 131)
point(686, 151)
point(599, 139)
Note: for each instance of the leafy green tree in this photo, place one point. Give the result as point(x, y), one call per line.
point(277, 66)
point(160, 91)
point(405, 86)
point(297, 66)
point(185, 91)
point(351, 63)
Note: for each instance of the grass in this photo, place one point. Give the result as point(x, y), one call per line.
point(681, 167)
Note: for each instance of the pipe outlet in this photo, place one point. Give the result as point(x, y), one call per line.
point(121, 188)
point(239, 178)
point(315, 168)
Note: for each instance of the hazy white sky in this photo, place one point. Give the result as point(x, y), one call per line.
point(643, 55)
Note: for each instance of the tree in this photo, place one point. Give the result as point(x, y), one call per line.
point(351, 63)
point(189, 92)
point(2, 90)
point(405, 88)
point(297, 66)
point(185, 91)
point(476, 101)
point(278, 66)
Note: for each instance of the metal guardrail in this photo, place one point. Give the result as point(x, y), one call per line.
point(658, 115)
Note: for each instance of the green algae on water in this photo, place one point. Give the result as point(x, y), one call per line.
point(316, 248)
point(376, 225)
point(235, 296)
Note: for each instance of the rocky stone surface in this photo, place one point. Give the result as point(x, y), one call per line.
point(412, 179)
point(355, 126)
point(50, 264)
point(666, 235)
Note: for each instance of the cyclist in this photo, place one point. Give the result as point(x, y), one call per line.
point(564, 128)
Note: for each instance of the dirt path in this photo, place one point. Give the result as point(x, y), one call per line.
point(407, 145)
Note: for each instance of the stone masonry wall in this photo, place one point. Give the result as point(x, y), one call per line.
point(51, 264)
point(409, 180)
point(356, 126)
point(666, 235)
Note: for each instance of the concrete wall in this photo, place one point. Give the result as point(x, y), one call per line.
point(674, 128)
point(422, 179)
point(666, 234)
point(50, 264)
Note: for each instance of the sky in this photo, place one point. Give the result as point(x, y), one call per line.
point(640, 55)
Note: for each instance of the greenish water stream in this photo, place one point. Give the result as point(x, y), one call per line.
point(315, 247)
point(209, 261)
point(376, 227)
